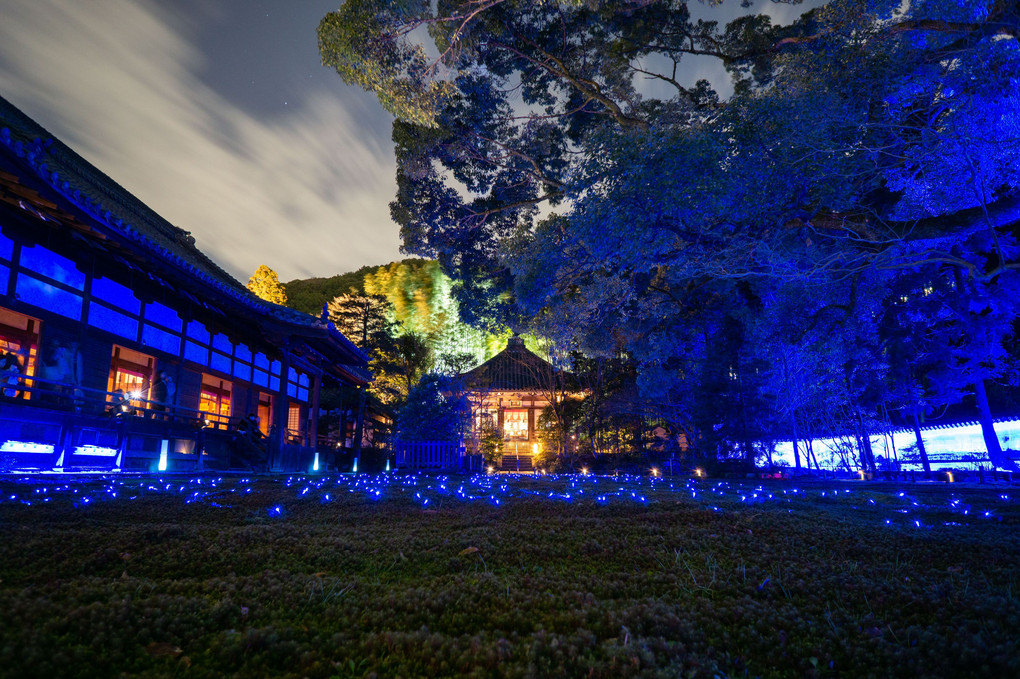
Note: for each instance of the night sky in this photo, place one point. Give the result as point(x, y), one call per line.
point(220, 117)
point(217, 115)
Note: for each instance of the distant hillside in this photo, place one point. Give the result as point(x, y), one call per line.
point(309, 294)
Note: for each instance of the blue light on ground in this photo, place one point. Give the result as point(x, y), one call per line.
point(882, 507)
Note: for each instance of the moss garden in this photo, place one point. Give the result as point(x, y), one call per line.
point(496, 576)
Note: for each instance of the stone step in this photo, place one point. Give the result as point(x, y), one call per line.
point(516, 463)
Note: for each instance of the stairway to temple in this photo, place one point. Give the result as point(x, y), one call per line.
point(516, 463)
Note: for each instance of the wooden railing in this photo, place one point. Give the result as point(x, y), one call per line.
point(428, 454)
point(63, 396)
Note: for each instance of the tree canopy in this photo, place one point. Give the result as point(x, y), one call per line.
point(310, 294)
point(861, 132)
point(556, 159)
point(265, 284)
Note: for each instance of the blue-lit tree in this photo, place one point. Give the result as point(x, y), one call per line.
point(869, 136)
point(435, 410)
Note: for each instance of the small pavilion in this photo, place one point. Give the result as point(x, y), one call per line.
point(509, 392)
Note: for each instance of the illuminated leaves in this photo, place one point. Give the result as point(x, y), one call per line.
point(366, 43)
point(266, 285)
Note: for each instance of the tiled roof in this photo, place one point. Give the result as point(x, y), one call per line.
point(516, 368)
point(125, 216)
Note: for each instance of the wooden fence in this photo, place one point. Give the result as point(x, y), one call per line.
point(429, 454)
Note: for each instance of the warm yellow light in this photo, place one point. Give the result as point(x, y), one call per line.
point(584, 470)
point(534, 448)
point(862, 474)
point(655, 472)
point(698, 472)
point(950, 475)
point(491, 469)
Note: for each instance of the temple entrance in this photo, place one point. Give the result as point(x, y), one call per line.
point(19, 352)
point(265, 412)
point(131, 373)
point(214, 401)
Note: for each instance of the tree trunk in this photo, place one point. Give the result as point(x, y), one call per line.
point(810, 455)
point(920, 440)
point(869, 453)
point(864, 441)
point(995, 454)
point(892, 438)
point(796, 453)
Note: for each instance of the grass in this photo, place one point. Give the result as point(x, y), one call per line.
point(367, 576)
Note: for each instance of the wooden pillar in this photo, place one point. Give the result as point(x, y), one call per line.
point(359, 424)
point(280, 414)
point(313, 414)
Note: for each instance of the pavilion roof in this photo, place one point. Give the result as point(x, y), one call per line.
point(516, 368)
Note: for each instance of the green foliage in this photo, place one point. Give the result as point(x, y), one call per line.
point(421, 302)
point(363, 319)
point(363, 41)
point(311, 294)
point(419, 299)
point(490, 443)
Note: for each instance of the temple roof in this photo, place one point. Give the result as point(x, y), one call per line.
point(516, 368)
point(111, 213)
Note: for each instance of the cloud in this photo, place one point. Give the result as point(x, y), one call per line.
point(306, 193)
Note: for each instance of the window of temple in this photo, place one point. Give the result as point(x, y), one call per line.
point(275, 369)
point(242, 363)
point(265, 412)
point(49, 281)
point(114, 294)
point(131, 372)
point(163, 316)
point(52, 266)
point(223, 350)
point(6, 248)
point(295, 424)
point(261, 374)
point(218, 352)
point(196, 346)
point(214, 401)
point(111, 320)
point(297, 385)
point(161, 339)
point(515, 424)
point(48, 296)
point(162, 328)
point(19, 352)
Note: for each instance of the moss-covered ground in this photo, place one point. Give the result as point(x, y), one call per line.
point(501, 576)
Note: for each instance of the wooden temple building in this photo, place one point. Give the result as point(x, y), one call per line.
point(122, 346)
point(508, 394)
